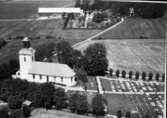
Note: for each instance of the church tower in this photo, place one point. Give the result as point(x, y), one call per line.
point(26, 57)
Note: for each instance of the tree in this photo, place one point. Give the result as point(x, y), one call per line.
point(130, 74)
point(128, 115)
point(150, 76)
point(143, 75)
point(96, 66)
point(15, 102)
point(81, 75)
point(60, 98)
point(95, 62)
point(163, 77)
point(117, 73)
point(119, 114)
point(98, 105)
point(99, 17)
point(124, 74)
point(96, 50)
point(64, 52)
point(47, 93)
point(111, 72)
point(78, 103)
point(157, 76)
point(26, 111)
point(137, 75)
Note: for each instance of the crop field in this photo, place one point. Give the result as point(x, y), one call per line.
point(35, 29)
point(133, 55)
point(136, 28)
point(26, 9)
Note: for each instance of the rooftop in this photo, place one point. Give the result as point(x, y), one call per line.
point(51, 69)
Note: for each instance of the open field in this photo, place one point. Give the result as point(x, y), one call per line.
point(25, 9)
point(134, 55)
point(37, 29)
point(42, 113)
point(135, 28)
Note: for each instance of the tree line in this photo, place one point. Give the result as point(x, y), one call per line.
point(15, 91)
point(144, 10)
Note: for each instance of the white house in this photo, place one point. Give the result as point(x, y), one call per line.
point(41, 72)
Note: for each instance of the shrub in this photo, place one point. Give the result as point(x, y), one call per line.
point(117, 73)
point(124, 74)
point(130, 74)
point(15, 102)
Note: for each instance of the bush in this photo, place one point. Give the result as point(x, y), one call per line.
point(124, 74)
point(15, 102)
point(99, 17)
point(117, 73)
point(130, 74)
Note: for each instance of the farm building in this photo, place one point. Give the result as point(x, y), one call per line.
point(52, 11)
point(42, 72)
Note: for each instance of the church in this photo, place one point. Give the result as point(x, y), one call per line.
point(41, 72)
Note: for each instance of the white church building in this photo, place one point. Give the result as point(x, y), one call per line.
point(41, 72)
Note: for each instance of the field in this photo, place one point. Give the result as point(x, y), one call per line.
point(133, 55)
point(40, 29)
point(26, 9)
point(136, 28)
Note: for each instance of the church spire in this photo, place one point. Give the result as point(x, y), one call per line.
point(26, 42)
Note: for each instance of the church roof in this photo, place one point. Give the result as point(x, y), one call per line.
point(51, 69)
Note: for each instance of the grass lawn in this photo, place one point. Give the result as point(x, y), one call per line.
point(42, 113)
point(134, 55)
point(134, 28)
point(34, 29)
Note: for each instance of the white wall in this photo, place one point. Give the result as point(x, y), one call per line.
point(68, 81)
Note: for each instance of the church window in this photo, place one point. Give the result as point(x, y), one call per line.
point(33, 76)
point(47, 77)
point(40, 76)
point(24, 58)
point(61, 79)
